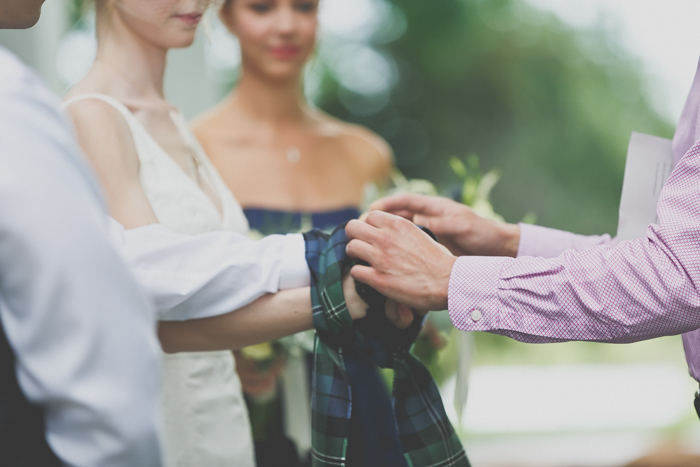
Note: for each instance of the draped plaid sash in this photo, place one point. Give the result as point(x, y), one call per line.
point(426, 435)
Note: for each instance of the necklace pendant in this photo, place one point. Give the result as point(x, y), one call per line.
point(293, 155)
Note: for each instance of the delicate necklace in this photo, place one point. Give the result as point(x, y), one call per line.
point(293, 155)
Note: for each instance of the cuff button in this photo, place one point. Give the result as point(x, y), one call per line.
point(476, 315)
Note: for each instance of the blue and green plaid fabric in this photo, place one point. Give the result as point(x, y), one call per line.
point(427, 437)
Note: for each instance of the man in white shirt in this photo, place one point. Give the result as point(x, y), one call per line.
point(76, 331)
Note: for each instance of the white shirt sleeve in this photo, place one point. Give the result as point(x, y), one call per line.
point(198, 276)
point(81, 329)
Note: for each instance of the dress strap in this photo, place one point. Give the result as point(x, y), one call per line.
point(142, 140)
point(133, 123)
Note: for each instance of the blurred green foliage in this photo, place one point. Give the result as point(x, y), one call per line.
point(552, 107)
point(78, 9)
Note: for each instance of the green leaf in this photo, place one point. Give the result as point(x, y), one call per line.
point(529, 218)
point(469, 191)
point(458, 167)
point(473, 162)
point(487, 183)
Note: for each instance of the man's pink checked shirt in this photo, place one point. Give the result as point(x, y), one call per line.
point(565, 287)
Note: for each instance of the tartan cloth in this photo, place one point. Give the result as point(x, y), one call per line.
point(427, 437)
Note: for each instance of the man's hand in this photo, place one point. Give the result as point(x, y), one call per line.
point(457, 226)
point(405, 263)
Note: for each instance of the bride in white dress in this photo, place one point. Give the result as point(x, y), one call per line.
point(153, 170)
point(204, 416)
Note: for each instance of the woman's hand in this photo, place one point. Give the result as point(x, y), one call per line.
point(400, 315)
point(356, 306)
point(253, 381)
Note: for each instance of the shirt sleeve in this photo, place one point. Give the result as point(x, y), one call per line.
point(81, 329)
point(199, 276)
point(550, 243)
point(635, 290)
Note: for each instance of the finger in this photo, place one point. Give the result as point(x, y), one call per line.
point(400, 320)
point(405, 315)
point(425, 221)
point(400, 315)
point(408, 215)
point(361, 231)
point(360, 250)
point(357, 307)
point(391, 310)
point(417, 204)
point(381, 219)
point(366, 275)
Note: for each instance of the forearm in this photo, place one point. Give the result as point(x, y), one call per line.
point(631, 292)
point(268, 318)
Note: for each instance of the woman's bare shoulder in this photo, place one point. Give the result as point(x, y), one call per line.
point(97, 119)
point(360, 142)
point(102, 131)
point(210, 124)
point(91, 112)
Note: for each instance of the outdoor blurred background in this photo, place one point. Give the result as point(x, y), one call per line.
point(548, 92)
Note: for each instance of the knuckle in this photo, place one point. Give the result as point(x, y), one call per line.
point(395, 221)
point(385, 238)
point(351, 227)
point(382, 263)
point(372, 216)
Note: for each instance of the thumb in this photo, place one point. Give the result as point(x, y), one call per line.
point(420, 219)
point(425, 221)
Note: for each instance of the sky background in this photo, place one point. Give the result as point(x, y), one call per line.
point(664, 34)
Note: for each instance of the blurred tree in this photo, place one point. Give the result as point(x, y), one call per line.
point(551, 106)
point(78, 10)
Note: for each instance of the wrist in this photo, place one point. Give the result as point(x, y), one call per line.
point(440, 294)
point(511, 239)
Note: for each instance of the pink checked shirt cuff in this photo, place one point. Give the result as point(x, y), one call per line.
point(472, 298)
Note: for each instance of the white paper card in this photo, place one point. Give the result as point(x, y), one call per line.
point(649, 163)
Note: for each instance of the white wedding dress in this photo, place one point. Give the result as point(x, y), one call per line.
point(205, 420)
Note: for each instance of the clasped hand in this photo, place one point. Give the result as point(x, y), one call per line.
point(400, 315)
point(405, 264)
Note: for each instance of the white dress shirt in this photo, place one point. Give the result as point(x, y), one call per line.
point(82, 331)
point(81, 328)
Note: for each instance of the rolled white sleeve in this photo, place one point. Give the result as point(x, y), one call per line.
point(199, 276)
point(80, 327)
